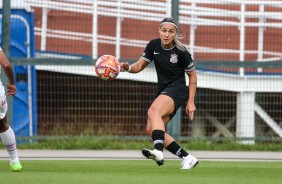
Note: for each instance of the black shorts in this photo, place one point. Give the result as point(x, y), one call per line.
point(179, 94)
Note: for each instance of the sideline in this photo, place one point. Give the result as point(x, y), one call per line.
point(30, 154)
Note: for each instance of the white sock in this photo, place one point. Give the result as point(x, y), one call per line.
point(9, 140)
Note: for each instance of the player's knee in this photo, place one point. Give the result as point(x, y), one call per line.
point(3, 125)
point(152, 112)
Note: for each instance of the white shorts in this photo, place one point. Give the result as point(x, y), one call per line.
point(3, 103)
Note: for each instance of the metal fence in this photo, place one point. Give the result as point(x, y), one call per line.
point(236, 46)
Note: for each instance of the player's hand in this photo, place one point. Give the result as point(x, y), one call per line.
point(11, 89)
point(190, 109)
point(124, 66)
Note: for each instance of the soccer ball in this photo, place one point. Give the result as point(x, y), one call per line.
point(107, 67)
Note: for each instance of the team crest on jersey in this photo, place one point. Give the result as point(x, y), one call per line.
point(173, 58)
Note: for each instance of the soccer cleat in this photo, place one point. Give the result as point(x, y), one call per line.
point(155, 155)
point(189, 162)
point(16, 167)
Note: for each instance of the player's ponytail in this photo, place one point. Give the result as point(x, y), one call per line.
point(178, 43)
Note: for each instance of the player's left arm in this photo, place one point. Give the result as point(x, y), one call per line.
point(136, 67)
point(190, 108)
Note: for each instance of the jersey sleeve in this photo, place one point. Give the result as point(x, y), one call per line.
point(148, 53)
point(188, 62)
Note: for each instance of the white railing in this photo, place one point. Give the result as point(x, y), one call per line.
point(140, 10)
point(192, 12)
point(196, 13)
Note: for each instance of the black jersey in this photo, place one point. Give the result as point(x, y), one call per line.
point(170, 64)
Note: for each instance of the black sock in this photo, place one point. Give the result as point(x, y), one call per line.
point(176, 150)
point(158, 139)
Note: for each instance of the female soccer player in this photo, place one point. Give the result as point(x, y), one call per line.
point(172, 60)
point(6, 133)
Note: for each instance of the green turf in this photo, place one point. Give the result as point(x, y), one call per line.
point(141, 172)
point(100, 143)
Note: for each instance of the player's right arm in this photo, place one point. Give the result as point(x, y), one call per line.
point(8, 69)
point(145, 58)
point(136, 67)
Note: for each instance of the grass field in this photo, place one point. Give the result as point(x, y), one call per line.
point(140, 172)
point(102, 143)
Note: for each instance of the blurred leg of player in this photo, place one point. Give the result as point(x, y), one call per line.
point(8, 137)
